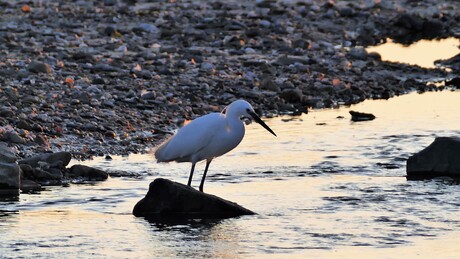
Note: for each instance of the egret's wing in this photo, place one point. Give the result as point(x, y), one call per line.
point(191, 139)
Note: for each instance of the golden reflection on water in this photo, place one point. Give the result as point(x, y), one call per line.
point(292, 210)
point(422, 53)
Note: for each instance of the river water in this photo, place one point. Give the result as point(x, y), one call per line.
point(325, 187)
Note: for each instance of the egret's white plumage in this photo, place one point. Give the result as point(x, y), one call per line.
point(208, 137)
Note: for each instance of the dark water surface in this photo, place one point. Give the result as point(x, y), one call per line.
point(325, 187)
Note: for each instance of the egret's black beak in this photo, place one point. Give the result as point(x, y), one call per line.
point(258, 120)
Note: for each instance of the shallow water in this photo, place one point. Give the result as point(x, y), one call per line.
point(419, 53)
point(325, 187)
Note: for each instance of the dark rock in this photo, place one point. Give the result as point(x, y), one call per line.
point(288, 60)
point(29, 186)
point(7, 155)
point(432, 29)
point(42, 141)
point(86, 172)
point(440, 158)
point(84, 57)
point(453, 62)
point(346, 11)
point(57, 160)
point(144, 74)
point(9, 179)
point(146, 27)
point(361, 116)
point(110, 31)
point(98, 81)
point(13, 137)
point(292, 95)
point(22, 124)
point(301, 43)
point(453, 82)
point(170, 199)
point(110, 2)
point(39, 67)
point(358, 53)
point(110, 134)
point(149, 95)
point(50, 176)
point(205, 66)
point(410, 22)
point(105, 68)
point(27, 171)
point(268, 84)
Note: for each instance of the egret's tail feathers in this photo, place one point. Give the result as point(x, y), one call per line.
point(161, 154)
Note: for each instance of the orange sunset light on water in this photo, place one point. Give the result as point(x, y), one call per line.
point(422, 53)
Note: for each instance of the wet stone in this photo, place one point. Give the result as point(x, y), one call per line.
point(166, 199)
point(361, 116)
point(58, 159)
point(49, 177)
point(22, 124)
point(9, 179)
point(440, 158)
point(13, 137)
point(29, 186)
point(7, 155)
point(88, 173)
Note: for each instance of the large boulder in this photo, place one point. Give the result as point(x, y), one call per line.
point(7, 155)
point(440, 158)
point(166, 199)
point(10, 172)
point(10, 179)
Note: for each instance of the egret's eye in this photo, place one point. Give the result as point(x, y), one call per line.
point(246, 120)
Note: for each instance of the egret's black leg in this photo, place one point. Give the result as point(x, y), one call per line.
point(204, 175)
point(191, 175)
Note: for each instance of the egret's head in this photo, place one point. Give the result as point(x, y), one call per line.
point(244, 110)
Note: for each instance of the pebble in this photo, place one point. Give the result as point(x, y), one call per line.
point(39, 67)
point(13, 137)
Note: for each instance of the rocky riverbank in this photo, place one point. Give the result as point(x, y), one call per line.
point(113, 77)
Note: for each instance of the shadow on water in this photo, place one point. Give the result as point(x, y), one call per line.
point(163, 223)
point(7, 213)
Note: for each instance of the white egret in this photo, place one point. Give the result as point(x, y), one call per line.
point(208, 137)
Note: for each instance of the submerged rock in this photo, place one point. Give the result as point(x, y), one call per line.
point(171, 199)
point(86, 172)
point(361, 116)
point(29, 186)
point(440, 158)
